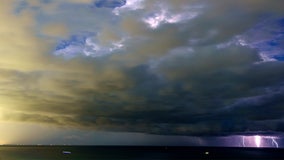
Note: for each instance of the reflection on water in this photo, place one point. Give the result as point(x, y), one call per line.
point(61, 153)
point(31, 153)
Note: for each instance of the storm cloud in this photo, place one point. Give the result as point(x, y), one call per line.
point(193, 68)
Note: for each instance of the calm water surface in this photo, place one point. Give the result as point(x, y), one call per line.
point(135, 153)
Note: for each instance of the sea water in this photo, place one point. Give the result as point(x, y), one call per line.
point(136, 153)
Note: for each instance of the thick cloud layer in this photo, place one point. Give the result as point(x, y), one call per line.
point(161, 67)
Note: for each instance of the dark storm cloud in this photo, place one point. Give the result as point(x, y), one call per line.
point(196, 103)
point(214, 104)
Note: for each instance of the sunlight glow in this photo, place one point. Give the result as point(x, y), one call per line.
point(2, 142)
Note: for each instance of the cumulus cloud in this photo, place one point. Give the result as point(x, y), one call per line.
point(164, 13)
point(130, 5)
point(165, 17)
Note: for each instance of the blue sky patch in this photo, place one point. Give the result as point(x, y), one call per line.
point(78, 40)
point(110, 3)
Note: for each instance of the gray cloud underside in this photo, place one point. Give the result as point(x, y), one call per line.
point(213, 98)
point(151, 88)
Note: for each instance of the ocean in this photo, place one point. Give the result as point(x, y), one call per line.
point(136, 153)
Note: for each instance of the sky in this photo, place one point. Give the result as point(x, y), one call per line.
point(142, 72)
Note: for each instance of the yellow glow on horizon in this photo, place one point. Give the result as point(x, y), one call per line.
point(24, 133)
point(3, 142)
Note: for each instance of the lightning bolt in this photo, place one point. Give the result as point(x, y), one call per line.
point(248, 141)
point(243, 141)
point(274, 142)
point(257, 140)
